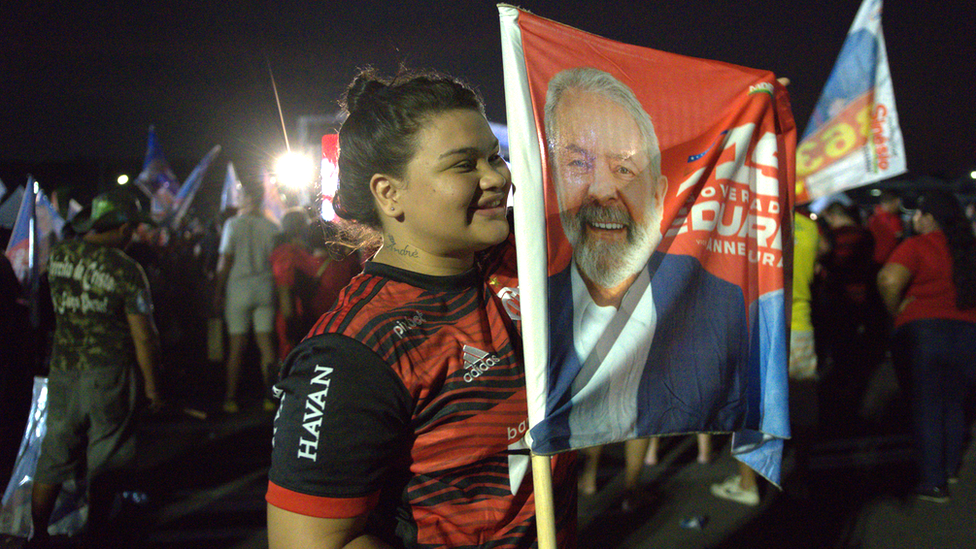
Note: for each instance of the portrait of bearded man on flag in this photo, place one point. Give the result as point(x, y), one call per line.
point(629, 324)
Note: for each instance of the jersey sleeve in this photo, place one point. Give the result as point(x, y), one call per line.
point(342, 430)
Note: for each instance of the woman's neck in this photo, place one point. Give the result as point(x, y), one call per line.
point(410, 258)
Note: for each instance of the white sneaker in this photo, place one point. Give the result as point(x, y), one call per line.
point(730, 489)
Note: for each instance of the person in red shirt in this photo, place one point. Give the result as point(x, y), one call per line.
point(885, 225)
point(929, 284)
point(308, 273)
point(854, 318)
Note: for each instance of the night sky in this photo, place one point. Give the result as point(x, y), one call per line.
point(82, 82)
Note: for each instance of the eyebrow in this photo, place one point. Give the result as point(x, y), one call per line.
point(573, 148)
point(468, 150)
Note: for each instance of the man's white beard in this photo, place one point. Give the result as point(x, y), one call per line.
point(608, 264)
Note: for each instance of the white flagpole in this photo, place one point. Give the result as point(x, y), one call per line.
point(530, 238)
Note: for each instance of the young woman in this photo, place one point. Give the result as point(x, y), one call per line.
point(402, 413)
point(929, 284)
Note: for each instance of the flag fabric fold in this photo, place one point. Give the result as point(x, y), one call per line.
point(183, 198)
point(230, 195)
point(654, 193)
point(22, 246)
point(853, 137)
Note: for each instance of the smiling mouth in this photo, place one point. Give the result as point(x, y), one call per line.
point(490, 205)
point(607, 226)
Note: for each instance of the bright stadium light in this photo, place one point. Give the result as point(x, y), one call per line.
point(972, 174)
point(294, 171)
point(123, 179)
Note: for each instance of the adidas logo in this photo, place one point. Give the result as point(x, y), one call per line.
point(477, 362)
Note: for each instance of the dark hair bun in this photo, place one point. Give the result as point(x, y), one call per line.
point(364, 87)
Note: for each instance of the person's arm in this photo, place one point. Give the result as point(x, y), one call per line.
point(323, 485)
point(288, 530)
point(146, 340)
point(224, 263)
point(893, 279)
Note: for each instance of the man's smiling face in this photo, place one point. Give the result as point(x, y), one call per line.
point(609, 205)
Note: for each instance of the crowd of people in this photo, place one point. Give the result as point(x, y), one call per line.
point(116, 325)
point(418, 453)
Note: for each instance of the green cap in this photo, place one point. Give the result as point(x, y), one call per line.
point(112, 209)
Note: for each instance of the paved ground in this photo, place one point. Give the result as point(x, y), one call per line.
point(205, 481)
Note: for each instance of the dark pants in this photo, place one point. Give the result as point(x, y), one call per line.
point(941, 356)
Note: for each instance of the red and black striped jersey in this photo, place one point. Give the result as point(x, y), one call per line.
point(407, 402)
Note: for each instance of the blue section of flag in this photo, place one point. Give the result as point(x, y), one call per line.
point(852, 76)
point(762, 449)
point(230, 195)
point(190, 187)
point(22, 246)
point(156, 180)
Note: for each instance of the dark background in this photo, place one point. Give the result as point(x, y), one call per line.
point(80, 82)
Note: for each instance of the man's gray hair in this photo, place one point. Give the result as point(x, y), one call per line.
point(587, 79)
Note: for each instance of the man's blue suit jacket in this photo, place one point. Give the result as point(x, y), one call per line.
point(695, 376)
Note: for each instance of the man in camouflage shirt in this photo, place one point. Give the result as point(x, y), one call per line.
point(104, 329)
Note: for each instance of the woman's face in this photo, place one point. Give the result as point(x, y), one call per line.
point(923, 222)
point(455, 189)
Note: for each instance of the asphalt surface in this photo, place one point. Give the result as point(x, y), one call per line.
point(204, 481)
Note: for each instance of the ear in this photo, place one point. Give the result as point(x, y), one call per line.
point(386, 194)
point(661, 190)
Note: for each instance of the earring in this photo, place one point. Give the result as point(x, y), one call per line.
point(392, 208)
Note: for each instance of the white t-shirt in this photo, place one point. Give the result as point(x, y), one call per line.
point(250, 239)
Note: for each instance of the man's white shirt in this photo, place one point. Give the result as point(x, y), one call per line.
point(612, 345)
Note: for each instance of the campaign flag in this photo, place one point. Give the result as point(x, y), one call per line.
point(156, 180)
point(329, 175)
point(853, 138)
point(654, 193)
point(22, 246)
point(184, 197)
point(230, 195)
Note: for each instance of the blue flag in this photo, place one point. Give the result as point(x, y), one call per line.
point(22, 247)
point(190, 187)
point(156, 180)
